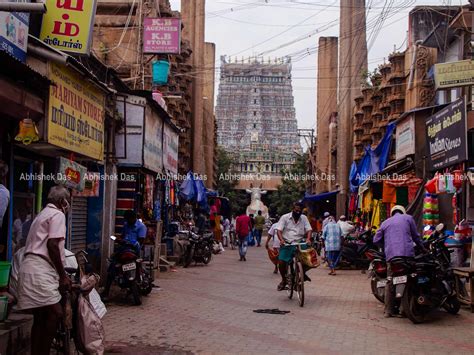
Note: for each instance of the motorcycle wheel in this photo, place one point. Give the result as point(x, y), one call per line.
point(373, 286)
point(412, 309)
point(207, 255)
point(189, 257)
point(452, 305)
point(145, 285)
point(137, 298)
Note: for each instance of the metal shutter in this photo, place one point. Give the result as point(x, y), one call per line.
point(78, 240)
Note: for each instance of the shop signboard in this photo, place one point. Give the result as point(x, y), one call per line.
point(170, 149)
point(71, 174)
point(447, 136)
point(162, 35)
point(75, 113)
point(91, 186)
point(153, 140)
point(68, 25)
point(14, 32)
point(405, 138)
point(454, 74)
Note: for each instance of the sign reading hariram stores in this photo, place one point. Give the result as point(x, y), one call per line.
point(446, 136)
point(75, 113)
point(68, 25)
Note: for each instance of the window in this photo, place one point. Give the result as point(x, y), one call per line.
point(255, 113)
point(255, 101)
point(255, 90)
point(254, 125)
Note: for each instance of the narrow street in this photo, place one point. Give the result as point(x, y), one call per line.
point(209, 309)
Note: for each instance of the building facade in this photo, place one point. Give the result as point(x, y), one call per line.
point(255, 115)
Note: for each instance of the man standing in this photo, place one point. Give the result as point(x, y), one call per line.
point(398, 234)
point(292, 228)
point(332, 235)
point(242, 228)
point(4, 193)
point(42, 278)
point(272, 237)
point(259, 223)
point(346, 227)
point(326, 218)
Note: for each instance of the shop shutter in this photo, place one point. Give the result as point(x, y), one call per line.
point(78, 240)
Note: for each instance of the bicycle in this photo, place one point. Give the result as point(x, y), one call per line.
point(295, 276)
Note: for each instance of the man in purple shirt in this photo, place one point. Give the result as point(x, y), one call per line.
point(398, 234)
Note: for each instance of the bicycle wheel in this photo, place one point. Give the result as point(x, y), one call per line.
point(299, 282)
point(290, 280)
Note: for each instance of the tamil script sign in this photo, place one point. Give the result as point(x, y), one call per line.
point(405, 138)
point(71, 174)
point(68, 25)
point(454, 74)
point(162, 35)
point(14, 32)
point(170, 149)
point(75, 113)
point(446, 136)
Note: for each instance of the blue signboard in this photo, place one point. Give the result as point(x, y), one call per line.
point(14, 32)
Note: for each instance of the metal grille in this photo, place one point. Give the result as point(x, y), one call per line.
point(78, 224)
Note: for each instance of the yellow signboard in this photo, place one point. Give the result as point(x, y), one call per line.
point(75, 113)
point(454, 74)
point(68, 25)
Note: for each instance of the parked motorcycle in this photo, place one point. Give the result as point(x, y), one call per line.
point(199, 249)
point(129, 272)
point(358, 252)
point(426, 282)
point(378, 275)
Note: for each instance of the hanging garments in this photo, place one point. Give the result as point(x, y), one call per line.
point(389, 194)
point(172, 193)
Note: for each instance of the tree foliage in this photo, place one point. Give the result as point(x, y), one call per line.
point(227, 187)
point(292, 188)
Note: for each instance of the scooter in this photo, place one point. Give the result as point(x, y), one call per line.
point(129, 272)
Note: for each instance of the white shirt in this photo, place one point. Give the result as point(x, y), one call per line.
point(346, 228)
point(50, 223)
point(4, 201)
point(272, 234)
point(293, 232)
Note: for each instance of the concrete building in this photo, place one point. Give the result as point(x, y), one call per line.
point(118, 43)
point(256, 116)
point(352, 65)
point(327, 105)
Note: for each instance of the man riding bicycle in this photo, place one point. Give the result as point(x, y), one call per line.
point(291, 229)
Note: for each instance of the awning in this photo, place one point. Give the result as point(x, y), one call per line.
point(319, 197)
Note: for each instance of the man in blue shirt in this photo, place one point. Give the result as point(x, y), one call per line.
point(134, 231)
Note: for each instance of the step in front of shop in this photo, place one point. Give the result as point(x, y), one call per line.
point(15, 334)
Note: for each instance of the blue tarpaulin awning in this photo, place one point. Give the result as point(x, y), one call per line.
point(319, 197)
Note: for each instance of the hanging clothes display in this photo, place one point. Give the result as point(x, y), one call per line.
point(389, 194)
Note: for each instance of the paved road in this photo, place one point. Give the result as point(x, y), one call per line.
point(209, 309)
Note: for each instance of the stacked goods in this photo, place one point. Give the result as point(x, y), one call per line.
point(430, 210)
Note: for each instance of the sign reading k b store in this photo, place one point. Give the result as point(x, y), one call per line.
point(446, 136)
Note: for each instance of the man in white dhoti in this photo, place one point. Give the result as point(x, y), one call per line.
point(42, 277)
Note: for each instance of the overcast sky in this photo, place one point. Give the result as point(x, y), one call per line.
point(252, 27)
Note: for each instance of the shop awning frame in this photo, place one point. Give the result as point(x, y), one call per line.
point(319, 197)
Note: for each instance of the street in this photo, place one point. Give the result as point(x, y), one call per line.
point(209, 309)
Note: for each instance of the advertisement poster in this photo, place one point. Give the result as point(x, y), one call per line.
point(68, 25)
point(405, 138)
point(14, 32)
point(152, 146)
point(71, 174)
point(446, 136)
point(454, 74)
point(75, 113)
point(162, 35)
point(91, 186)
point(170, 150)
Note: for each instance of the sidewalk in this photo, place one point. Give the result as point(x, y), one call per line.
point(209, 309)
